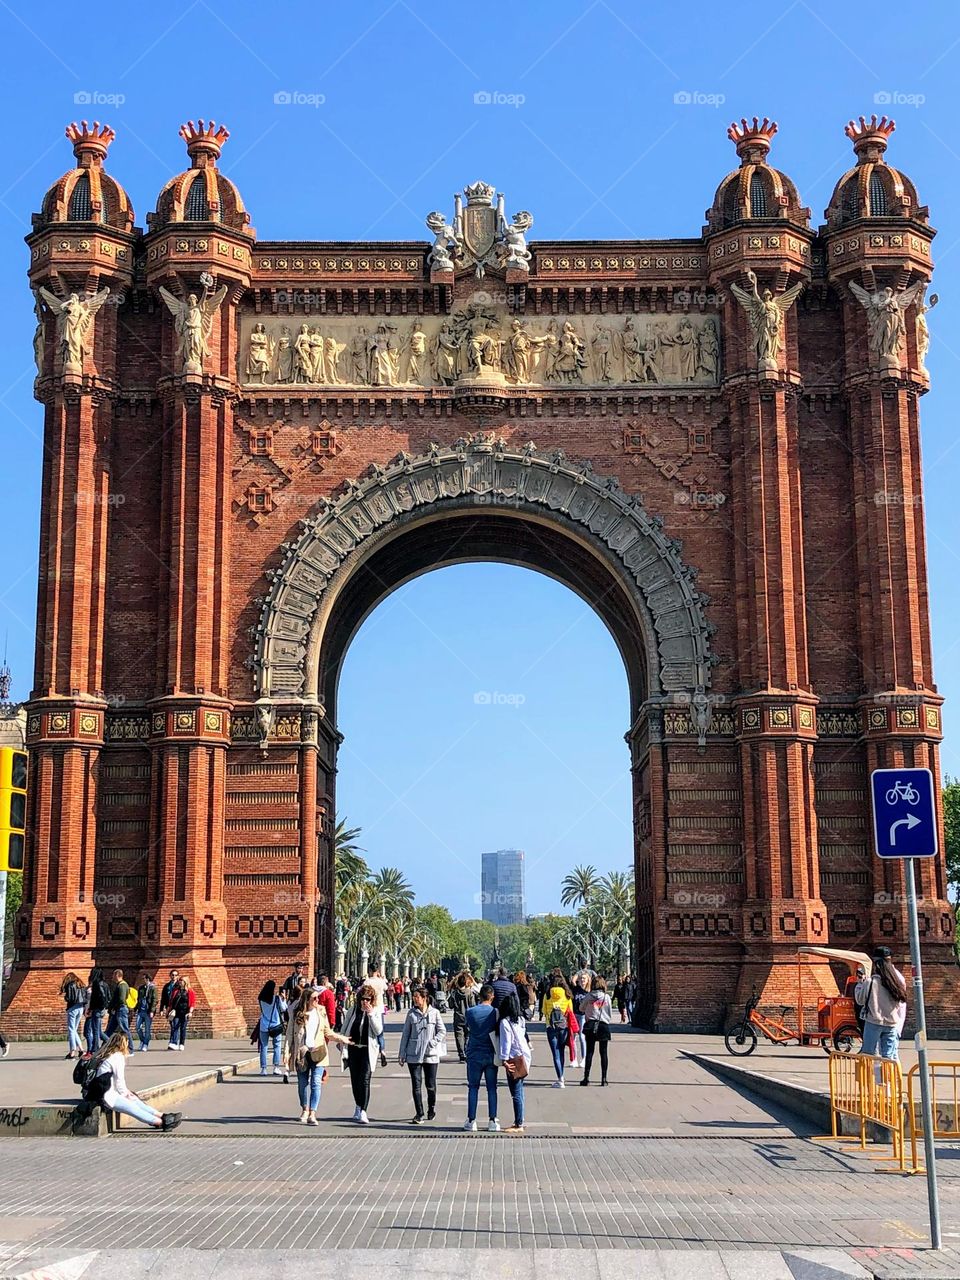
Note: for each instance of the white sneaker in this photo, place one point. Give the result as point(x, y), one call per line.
point(278, 1071)
point(363, 1118)
point(471, 1126)
point(263, 1070)
point(493, 1125)
point(563, 1084)
point(182, 1048)
point(170, 1046)
point(303, 1115)
point(557, 1084)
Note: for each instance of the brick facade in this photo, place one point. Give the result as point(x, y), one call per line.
point(211, 540)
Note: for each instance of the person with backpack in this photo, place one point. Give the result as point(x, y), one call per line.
point(423, 1042)
point(108, 1087)
point(74, 999)
point(184, 998)
point(146, 1008)
point(272, 1010)
point(462, 996)
point(119, 1009)
point(481, 1059)
point(557, 1007)
point(882, 997)
point(98, 997)
point(596, 1012)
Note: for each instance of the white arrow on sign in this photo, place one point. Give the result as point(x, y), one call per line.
point(910, 821)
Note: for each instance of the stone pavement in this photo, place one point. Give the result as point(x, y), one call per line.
point(705, 1182)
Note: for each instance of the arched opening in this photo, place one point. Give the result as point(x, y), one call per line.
point(483, 706)
point(482, 500)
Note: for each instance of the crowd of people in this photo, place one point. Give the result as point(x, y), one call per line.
point(299, 1019)
point(105, 1008)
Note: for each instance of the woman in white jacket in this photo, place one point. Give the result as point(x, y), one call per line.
point(514, 1045)
point(308, 1032)
point(422, 1044)
point(883, 998)
point(362, 1029)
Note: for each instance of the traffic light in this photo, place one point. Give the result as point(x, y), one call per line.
point(13, 807)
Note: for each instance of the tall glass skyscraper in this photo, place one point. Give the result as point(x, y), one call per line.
point(502, 889)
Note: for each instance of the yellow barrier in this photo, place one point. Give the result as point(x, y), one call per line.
point(944, 1079)
point(871, 1091)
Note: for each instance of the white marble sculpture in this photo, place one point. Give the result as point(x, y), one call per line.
point(765, 316)
point(75, 315)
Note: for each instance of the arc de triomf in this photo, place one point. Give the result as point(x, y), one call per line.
point(713, 440)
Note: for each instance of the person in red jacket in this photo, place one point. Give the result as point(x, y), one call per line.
point(327, 998)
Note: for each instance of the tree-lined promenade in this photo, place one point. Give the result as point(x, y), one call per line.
point(379, 921)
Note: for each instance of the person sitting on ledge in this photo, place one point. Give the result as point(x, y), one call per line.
point(114, 1094)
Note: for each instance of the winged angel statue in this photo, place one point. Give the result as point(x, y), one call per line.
point(885, 324)
point(75, 314)
point(765, 316)
point(193, 321)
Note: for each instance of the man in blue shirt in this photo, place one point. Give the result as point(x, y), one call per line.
point(503, 986)
point(481, 1063)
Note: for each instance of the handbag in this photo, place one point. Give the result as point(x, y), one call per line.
point(517, 1067)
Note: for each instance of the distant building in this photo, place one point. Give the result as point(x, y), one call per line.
point(502, 887)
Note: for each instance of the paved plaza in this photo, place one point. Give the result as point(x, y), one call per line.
point(667, 1160)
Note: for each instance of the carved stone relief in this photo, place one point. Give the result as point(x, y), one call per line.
point(481, 342)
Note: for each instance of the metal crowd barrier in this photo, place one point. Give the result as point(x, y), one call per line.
point(945, 1101)
point(870, 1090)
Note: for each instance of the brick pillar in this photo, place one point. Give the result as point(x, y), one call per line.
point(899, 702)
point(775, 710)
point(58, 928)
point(184, 921)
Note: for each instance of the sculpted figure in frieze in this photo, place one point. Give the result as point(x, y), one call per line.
point(603, 354)
point(885, 323)
point(481, 340)
point(285, 355)
point(708, 357)
point(260, 351)
point(765, 316)
point(415, 351)
point(303, 363)
point(75, 315)
point(446, 356)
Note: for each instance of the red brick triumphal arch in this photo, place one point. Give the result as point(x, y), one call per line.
point(713, 440)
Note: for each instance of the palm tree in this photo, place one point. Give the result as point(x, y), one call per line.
point(578, 887)
point(350, 876)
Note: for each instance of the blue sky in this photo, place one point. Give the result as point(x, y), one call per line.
point(586, 132)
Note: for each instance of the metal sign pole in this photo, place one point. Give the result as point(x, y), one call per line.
point(929, 1150)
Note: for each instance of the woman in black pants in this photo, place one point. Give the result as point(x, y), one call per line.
point(364, 1024)
point(597, 1014)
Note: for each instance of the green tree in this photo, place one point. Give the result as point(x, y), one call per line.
point(951, 841)
point(579, 886)
point(481, 942)
point(437, 920)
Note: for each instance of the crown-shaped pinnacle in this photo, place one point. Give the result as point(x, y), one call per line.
point(869, 137)
point(204, 140)
point(90, 143)
point(752, 139)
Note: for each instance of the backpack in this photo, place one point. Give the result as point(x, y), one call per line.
point(558, 1018)
point(132, 997)
point(85, 1075)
